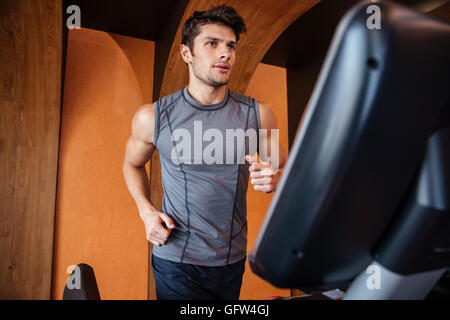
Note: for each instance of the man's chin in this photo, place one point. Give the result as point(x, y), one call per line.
point(218, 83)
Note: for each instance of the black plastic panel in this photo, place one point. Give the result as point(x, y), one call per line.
point(377, 101)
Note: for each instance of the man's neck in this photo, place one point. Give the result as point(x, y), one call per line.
point(205, 94)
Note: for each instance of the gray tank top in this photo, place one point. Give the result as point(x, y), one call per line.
point(204, 175)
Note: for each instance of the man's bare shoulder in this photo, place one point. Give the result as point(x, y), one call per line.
point(143, 124)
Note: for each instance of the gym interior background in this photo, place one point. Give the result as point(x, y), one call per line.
point(66, 103)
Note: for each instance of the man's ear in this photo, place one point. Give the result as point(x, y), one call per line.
point(186, 53)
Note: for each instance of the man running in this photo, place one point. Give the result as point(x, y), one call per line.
point(200, 234)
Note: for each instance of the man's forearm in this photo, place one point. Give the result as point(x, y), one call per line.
point(138, 185)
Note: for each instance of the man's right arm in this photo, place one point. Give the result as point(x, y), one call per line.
point(138, 152)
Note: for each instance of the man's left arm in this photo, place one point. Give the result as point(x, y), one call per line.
point(266, 168)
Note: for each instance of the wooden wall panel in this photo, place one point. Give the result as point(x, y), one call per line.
point(265, 20)
point(30, 84)
point(108, 77)
point(269, 85)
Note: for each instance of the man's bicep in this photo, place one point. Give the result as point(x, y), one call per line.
point(140, 145)
point(269, 122)
point(267, 117)
point(138, 152)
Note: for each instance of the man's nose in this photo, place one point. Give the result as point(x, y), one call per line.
point(225, 54)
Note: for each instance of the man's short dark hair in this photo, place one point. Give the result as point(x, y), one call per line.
point(222, 15)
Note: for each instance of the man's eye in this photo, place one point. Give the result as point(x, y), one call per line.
point(232, 47)
point(211, 43)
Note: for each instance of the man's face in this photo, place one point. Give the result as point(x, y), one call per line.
point(213, 54)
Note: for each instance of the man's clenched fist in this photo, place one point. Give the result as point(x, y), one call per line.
point(263, 176)
point(158, 226)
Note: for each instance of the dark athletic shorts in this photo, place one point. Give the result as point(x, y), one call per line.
point(181, 281)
